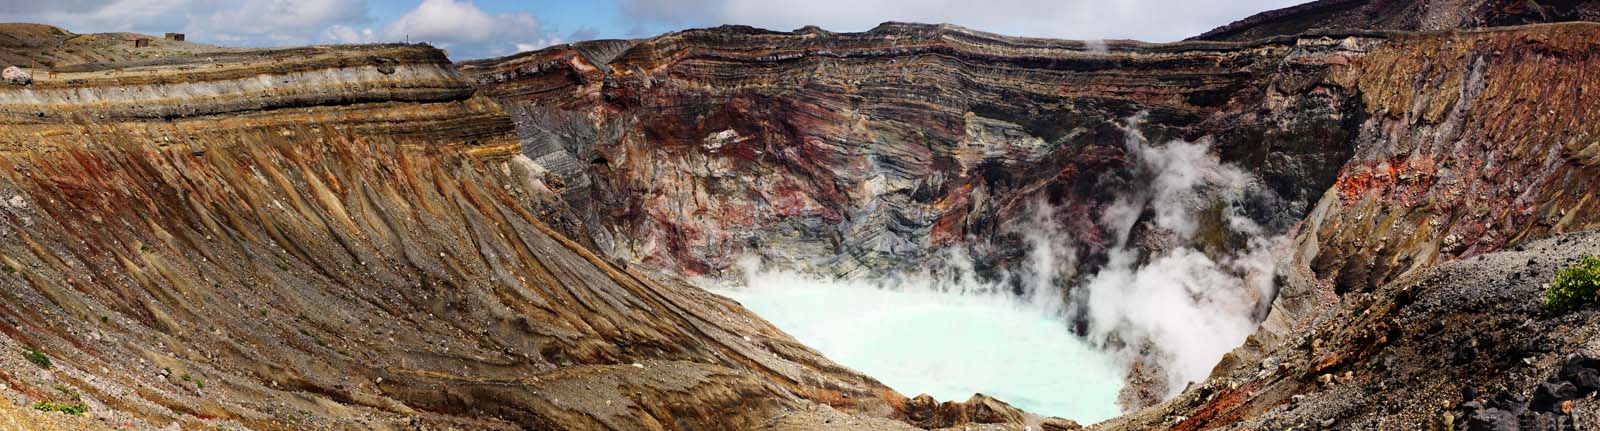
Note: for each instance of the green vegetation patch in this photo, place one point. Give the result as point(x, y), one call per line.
point(37, 358)
point(75, 409)
point(1575, 286)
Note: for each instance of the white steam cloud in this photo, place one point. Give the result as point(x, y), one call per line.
point(1161, 300)
point(1188, 306)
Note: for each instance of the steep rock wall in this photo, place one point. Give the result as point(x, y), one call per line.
point(852, 153)
point(1415, 292)
point(1476, 142)
point(342, 238)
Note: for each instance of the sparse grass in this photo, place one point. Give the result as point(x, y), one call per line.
point(7, 268)
point(75, 409)
point(1575, 286)
point(37, 358)
point(323, 344)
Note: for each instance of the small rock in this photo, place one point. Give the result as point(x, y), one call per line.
point(1547, 397)
point(638, 365)
point(16, 76)
point(1059, 424)
point(1492, 420)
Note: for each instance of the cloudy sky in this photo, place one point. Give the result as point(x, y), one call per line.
point(485, 28)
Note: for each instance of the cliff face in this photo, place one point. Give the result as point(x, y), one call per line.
point(1456, 159)
point(1415, 292)
point(371, 237)
point(851, 153)
point(341, 238)
point(1383, 155)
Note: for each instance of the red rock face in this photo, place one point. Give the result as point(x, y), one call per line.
point(854, 153)
point(1476, 142)
point(1385, 154)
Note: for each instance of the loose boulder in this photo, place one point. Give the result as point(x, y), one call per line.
point(16, 76)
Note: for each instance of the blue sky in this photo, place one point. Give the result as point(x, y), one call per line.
point(487, 28)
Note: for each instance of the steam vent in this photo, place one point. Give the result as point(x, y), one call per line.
point(1343, 215)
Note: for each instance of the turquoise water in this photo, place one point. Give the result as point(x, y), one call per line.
point(946, 345)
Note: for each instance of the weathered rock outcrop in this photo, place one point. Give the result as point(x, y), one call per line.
point(1464, 345)
point(851, 153)
point(1455, 159)
point(341, 238)
point(1415, 292)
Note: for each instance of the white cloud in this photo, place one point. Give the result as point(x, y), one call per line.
point(228, 22)
point(119, 15)
point(345, 34)
point(467, 31)
point(292, 21)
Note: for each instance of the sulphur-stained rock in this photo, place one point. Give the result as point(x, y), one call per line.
point(1456, 168)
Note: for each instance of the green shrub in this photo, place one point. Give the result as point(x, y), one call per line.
point(1575, 286)
point(37, 358)
point(76, 409)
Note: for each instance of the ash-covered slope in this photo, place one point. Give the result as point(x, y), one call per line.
point(342, 238)
point(1335, 16)
point(46, 47)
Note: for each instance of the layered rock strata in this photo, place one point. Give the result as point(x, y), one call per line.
point(854, 153)
point(368, 237)
point(341, 238)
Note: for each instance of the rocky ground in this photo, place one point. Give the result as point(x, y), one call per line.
point(47, 48)
point(1465, 345)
